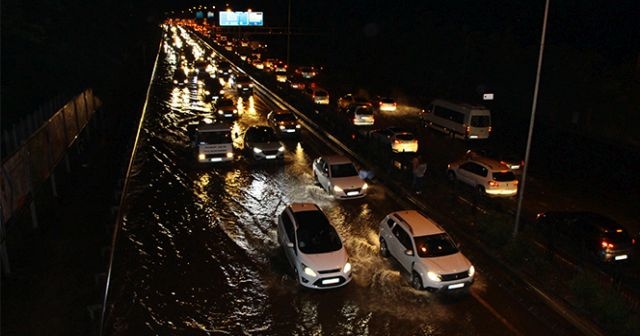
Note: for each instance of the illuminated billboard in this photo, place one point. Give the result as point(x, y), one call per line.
point(229, 18)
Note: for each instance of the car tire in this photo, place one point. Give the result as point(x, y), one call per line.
point(297, 275)
point(451, 176)
point(416, 281)
point(384, 250)
point(481, 190)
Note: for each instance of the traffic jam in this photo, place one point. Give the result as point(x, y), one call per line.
point(265, 203)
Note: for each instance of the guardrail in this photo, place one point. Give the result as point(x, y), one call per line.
point(34, 161)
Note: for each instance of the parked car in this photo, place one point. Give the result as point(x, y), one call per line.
point(284, 122)
point(260, 142)
point(424, 250)
point(586, 233)
point(339, 176)
point(313, 247)
point(397, 139)
point(489, 177)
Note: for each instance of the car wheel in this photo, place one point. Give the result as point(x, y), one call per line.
point(451, 176)
point(384, 250)
point(297, 275)
point(416, 281)
point(481, 190)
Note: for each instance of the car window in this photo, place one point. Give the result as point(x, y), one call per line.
point(390, 222)
point(480, 121)
point(214, 137)
point(262, 134)
point(343, 170)
point(285, 117)
point(403, 237)
point(503, 176)
point(405, 137)
point(364, 110)
point(468, 166)
point(437, 245)
point(288, 226)
point(315, 234)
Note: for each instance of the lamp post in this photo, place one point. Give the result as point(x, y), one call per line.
point(288, 31)
point(533, 117)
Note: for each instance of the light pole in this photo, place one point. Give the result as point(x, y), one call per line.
point(533, 117)
point(288, 31)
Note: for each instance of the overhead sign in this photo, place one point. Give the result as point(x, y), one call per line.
point(228, 18)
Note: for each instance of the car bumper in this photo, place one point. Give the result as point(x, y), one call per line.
point(408, 148)
point(501, 192)
point(446, 286)
point(326, 281)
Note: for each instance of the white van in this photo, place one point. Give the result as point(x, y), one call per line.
point(458, 120)
point(213, 143)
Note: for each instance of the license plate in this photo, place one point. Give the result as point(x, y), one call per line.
point(270, 157)
point(290, 131)
point(460, 285)
point(216, 159)
point(353, 193)
point(330, 281)
point(621, 257)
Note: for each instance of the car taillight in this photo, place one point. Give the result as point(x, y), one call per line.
point(396, 142)
point(606, 245)
point(493, 184)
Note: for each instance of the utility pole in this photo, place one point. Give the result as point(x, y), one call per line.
point(533, 118)
point(288, 32)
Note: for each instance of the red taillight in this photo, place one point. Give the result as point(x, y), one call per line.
point(606, 245)
point(633, 241)
point(396, 142)
point(493, 184)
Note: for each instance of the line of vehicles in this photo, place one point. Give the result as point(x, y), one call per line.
point(423, 249)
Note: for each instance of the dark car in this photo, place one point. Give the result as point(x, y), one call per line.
point(180, 77)
point(586, 233)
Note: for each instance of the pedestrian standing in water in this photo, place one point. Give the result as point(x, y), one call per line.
point(419, 166)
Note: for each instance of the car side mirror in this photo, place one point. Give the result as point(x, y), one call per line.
point(290, 244)
point(409, 252)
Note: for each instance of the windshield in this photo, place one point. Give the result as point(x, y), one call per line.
point(343, 170)
point(321, 94)
point(285, 117)
point(315, 234)
point(214, 137)
point(437, 245)
point(261, 135)
point(481, 121)
point(504, 176)
point(405, 137)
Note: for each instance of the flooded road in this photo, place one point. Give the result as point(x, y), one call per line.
point(197, 252)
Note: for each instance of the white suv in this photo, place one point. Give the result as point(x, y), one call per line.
point(425, 250)
point(487, 176)
point(313, 247)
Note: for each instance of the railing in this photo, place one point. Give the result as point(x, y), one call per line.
point(34, 159)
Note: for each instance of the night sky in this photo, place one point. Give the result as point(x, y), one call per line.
point(425, 49)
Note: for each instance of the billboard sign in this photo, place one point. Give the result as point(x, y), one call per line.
point(229, 18)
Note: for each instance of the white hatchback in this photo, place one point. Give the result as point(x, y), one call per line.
point(339, 176)
point(313, 247)
point(424, 250)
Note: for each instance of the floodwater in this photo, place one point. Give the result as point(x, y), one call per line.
point(197, 252)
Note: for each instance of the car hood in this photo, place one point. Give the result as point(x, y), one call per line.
point(453, 263)
point(265, 146)
point(325, 261)
point(349, 182)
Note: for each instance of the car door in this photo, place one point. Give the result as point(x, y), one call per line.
point(402, 243)
point(466, 172)
point(322, 172)
point(286, 235)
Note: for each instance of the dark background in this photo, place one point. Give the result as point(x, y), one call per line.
point(451, 49)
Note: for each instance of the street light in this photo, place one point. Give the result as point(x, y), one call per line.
point(533, 117)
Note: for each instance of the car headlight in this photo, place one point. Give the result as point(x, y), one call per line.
point(337, 189)
point(230, 155)
point(281, 149)
point(346, 268)
point(235, 111)
point(433, 276)
point(257, 150)
point(201, 157)
point(472, 271)
point(240, 85)
point(308, 271)
point(298, 126)
point(365, 186)
point(281, 127)
point(220, 112)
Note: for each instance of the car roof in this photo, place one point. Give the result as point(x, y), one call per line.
point(281, 111)
point(299, 207)
point(336, 159)
point(491, 163)
point(418, 224)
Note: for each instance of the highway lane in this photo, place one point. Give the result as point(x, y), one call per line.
point(197, 251)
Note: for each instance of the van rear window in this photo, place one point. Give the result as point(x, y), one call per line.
point(481, 121)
